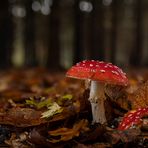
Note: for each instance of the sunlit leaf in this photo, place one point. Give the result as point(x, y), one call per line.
point(49, 90)
point(31, 102)
point(67, 97)
point(64, 98)
point(41, 104)
point(52, 110)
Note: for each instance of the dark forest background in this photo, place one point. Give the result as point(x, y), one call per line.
point(58, 33)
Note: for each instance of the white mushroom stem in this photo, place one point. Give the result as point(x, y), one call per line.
point(97, 98)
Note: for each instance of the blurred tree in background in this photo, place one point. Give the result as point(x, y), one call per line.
point(59, 33)
point(6, 35)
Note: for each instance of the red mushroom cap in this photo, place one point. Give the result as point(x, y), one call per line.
point(132, 118)
point(99, 71)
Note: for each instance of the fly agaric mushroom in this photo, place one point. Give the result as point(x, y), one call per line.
point(99, 73)
point(133, 118)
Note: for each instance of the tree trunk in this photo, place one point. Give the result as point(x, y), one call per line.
point(6, 35)
point(97, 51)
point(136, 53)
point(53, 60)
point(29, 32)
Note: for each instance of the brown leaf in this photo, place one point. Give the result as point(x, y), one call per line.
point(140, 97)
point(21, 117)
point(68, 133)
point(118, 96)
point(97, 145)
point(114, 136)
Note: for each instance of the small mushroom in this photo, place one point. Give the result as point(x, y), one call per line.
point(99, 73)
point(133, 118)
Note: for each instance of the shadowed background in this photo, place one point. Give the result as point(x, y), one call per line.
point(58, 33)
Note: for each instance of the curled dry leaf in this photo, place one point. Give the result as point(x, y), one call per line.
point(129, 101)
point(68, 133)
point(118, 96)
